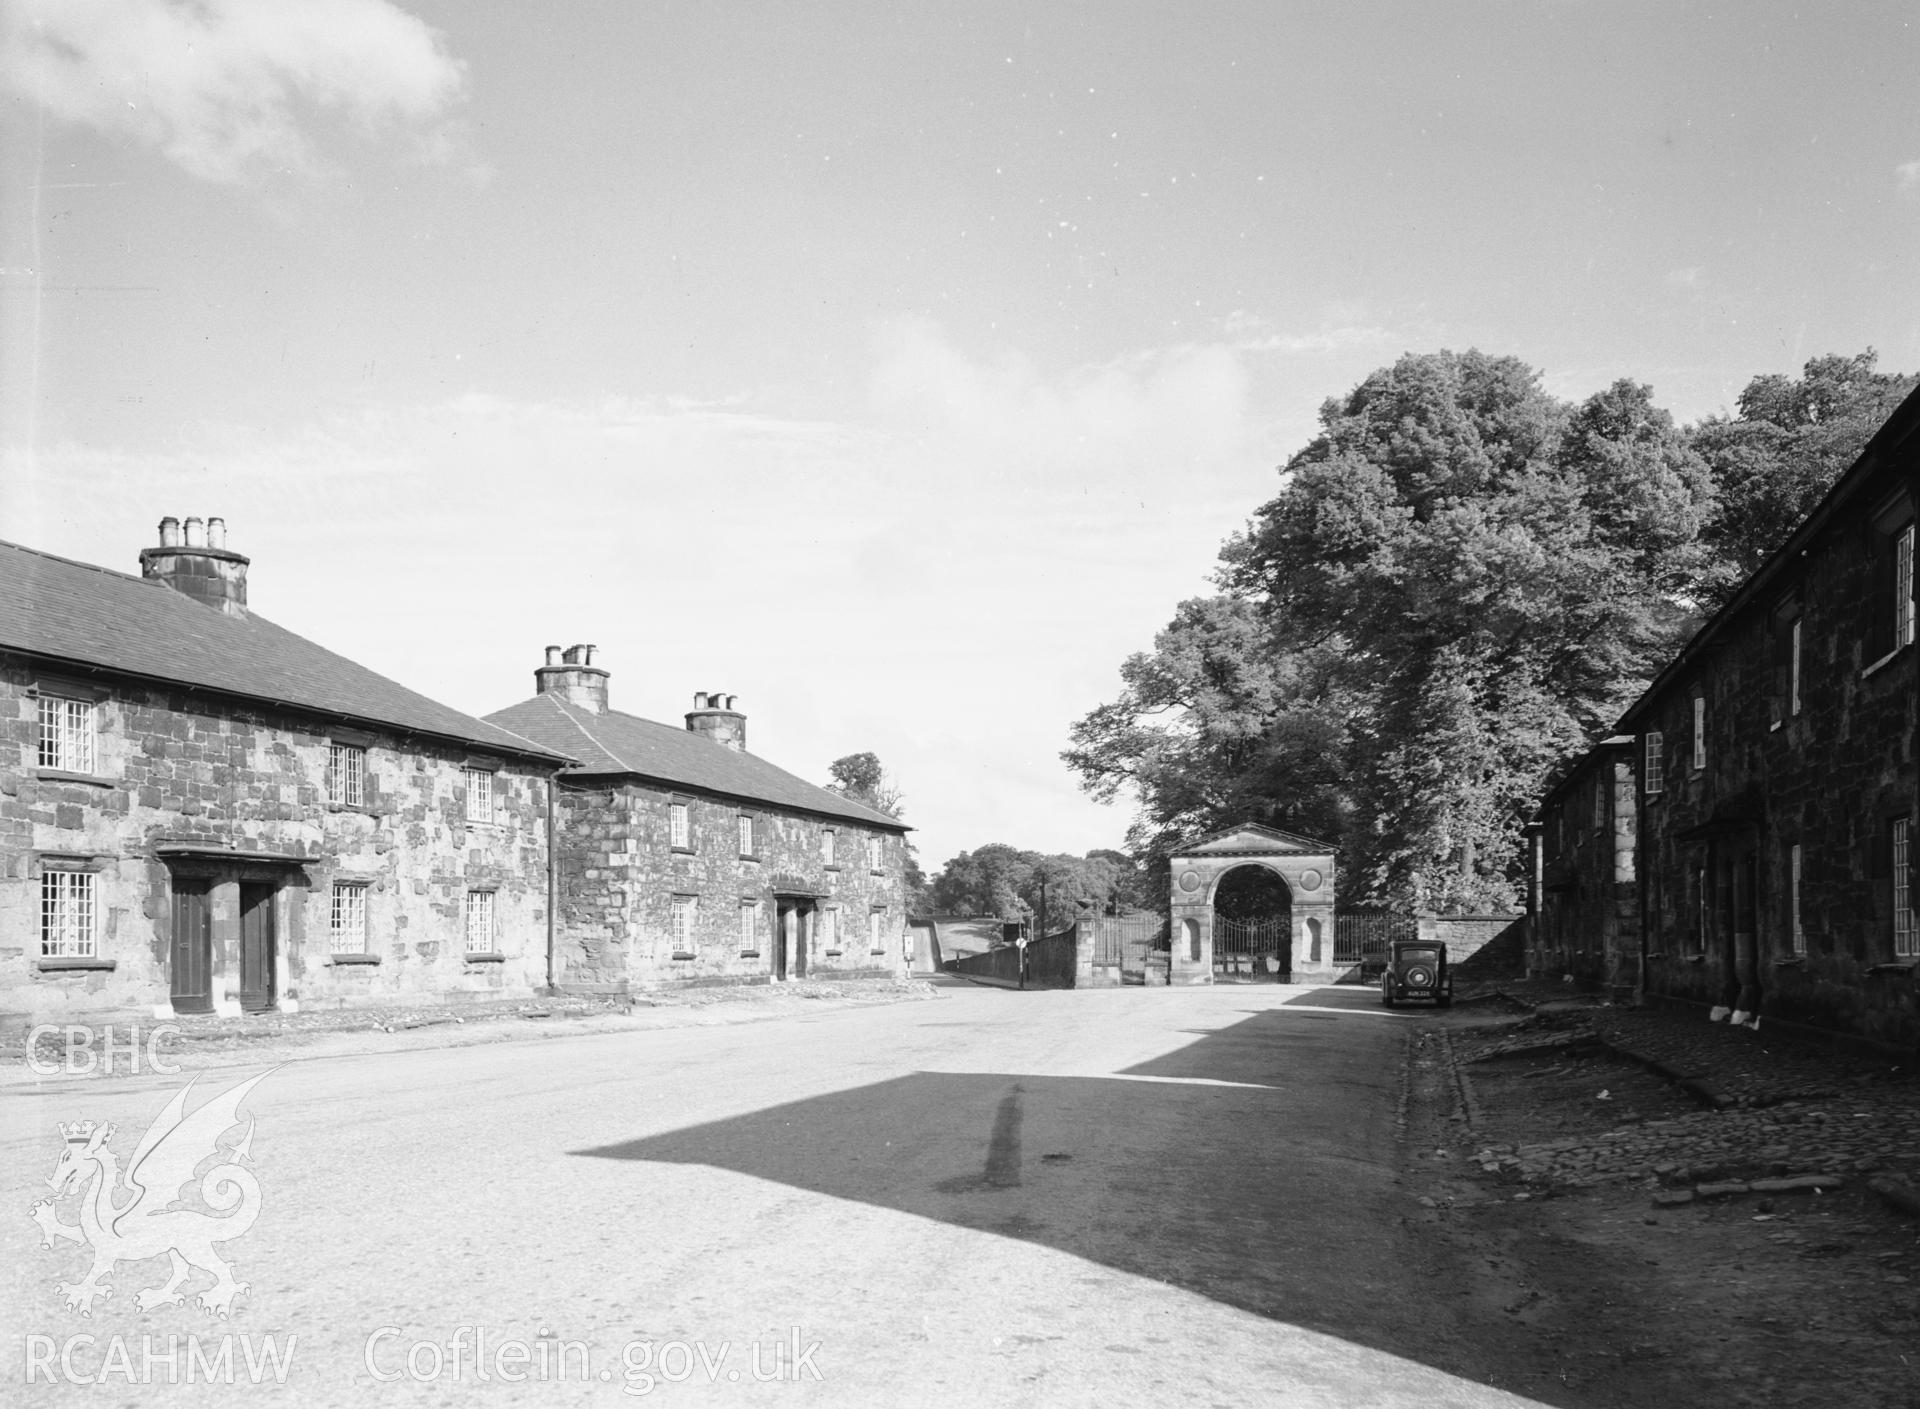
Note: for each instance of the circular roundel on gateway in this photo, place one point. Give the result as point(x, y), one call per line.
point(1189, 881)
point(1309, 880)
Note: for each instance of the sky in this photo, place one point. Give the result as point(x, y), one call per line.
point(895, 368)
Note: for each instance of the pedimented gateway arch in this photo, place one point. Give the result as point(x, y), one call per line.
point(1304, 864)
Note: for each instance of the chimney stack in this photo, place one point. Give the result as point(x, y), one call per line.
point(193, 560)
point(572, 675)
point(713, 714)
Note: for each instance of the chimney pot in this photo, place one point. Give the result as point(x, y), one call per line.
point(193, 559)
point(571, 675)
point(713, 715)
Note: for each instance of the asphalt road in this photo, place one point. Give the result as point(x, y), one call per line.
point(1099, 1198)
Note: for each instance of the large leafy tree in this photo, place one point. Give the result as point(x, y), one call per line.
point(1461, 581)
point(998, 879)
point(1221, 721)
point(1791, 439)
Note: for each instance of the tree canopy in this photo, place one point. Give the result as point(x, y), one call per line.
point(998, 879)
point(1791, 439)
point(860, 777)
point(1462, 582)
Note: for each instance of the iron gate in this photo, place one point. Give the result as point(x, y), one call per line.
point(1133, 944)
point(1255, 949)
point(1361, 938)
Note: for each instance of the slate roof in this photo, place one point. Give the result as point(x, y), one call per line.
point(92, 618)
point(625, 744)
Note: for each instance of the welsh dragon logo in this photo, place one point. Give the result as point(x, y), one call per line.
point(155, 1220)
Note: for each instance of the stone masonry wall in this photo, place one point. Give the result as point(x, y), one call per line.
point(620, 875)
point(1466, 935)
point(176, 768)
point(1589, 907)
point(1829, 779)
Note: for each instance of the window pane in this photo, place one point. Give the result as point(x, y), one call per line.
point(677, 822)
point(1903, 587)
point(1906, 944)
point(348, 923)
point(1793, 670)
point(346, 775)
point(66, 915)
point(746, 836)
point(66, 734)
point(480, 936)
point(479, 795)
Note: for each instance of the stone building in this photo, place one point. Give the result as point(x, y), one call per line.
point(682, 858)
point(1774, 761)
point(203, 812)
point(1584, 894)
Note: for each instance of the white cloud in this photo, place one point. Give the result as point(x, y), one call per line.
point(232, 88)
point(1147, 414)
point(1343, 332)
point(961, 571)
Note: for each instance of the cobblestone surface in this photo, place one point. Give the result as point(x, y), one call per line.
point(1774, 1106)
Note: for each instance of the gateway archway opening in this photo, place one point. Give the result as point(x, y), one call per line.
point(1252, 926)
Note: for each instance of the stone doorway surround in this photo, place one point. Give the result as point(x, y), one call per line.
point(1304, 864)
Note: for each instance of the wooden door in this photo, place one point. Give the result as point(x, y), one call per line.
point(1746, 930)
point(192, 954)
point(256, 947)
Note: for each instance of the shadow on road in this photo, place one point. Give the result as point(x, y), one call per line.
point(1273, 1194)
point(1345, 996)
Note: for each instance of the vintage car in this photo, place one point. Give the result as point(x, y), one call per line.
point(1416, 968)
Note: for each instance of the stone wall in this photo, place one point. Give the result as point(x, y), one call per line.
point(179, 776)
point(1717, 841)
point(1465, 935)
point(1589, 901)
point(1059, 960)
point(1000, 965)
point(620, 875)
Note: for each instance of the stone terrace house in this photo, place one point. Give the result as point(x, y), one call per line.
point(685, 859)
point(1775, 765)
point(203, 812)
point(1584, 896)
